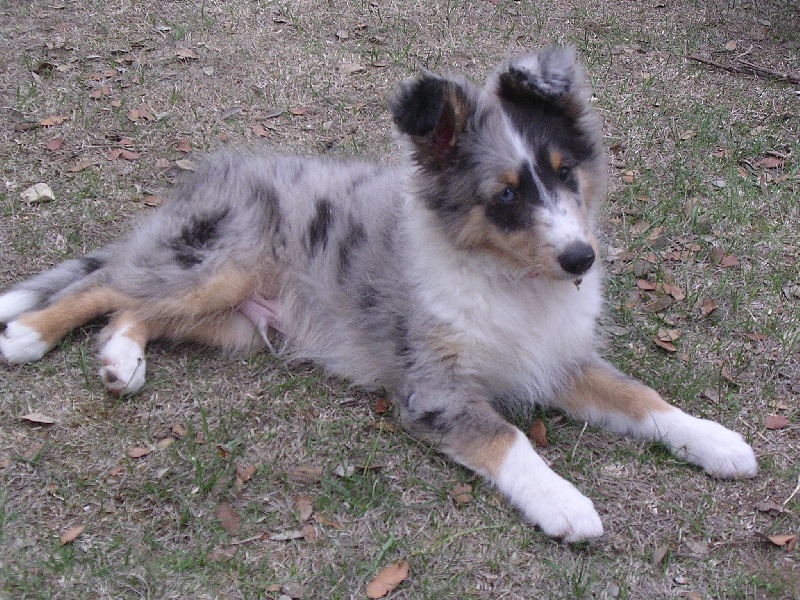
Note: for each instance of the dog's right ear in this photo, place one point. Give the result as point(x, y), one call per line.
point(432, 111)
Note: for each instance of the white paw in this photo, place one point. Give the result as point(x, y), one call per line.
point(544, 498)
point(20, 344)
point(720, 451)
point(123, 365)
point(13, 304)
point(562, 512)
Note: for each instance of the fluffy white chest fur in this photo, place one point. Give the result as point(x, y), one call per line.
point(519, 334)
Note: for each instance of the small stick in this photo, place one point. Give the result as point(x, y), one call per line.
point(747, 68)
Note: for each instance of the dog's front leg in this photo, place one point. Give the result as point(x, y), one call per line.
point(474, 435)
point(600, 394)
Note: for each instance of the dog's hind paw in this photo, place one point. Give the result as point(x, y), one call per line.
point(123, 365)
point(20, 344)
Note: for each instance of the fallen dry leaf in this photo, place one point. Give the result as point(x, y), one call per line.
point(387, 580)
point(323, 520)
point(38, 192)
point(184, 53)
point(297, 111)
point(776, 421)
point(659, 553)
point(52, 120)
point(54, 144)
point(38, 418)
point(183, 146)
point(309, 533)
point(78, 167)
point(707, 306)
point(770, 162)
point(245, 472)
point(304, 508)
point(781, 540)
point(728, 261)
point(538, 433)
point(350, 68)
point(178, 430)
point(382, 405)
point(285, 536)
point(627, 176)
point(71, 534)
point(153, 200)
point(139, 452)
point(227, 517)
point(461, 494)
point(307, 475)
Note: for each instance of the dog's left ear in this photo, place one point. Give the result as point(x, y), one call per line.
point(433, 111)
point(551, 76)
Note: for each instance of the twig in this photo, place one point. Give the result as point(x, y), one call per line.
point(747, 68)
point(785, 502)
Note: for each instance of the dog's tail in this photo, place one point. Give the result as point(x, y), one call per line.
point(43, 289)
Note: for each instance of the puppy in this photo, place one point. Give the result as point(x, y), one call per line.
point(463, 279)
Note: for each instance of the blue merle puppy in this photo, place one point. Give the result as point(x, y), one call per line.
point(463, 278)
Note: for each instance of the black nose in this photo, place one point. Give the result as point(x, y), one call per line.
point(577, 258)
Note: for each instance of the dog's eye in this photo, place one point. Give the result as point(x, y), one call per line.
point(507, 196)
point(564, 173)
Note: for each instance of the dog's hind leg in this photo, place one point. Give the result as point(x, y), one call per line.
point(473, 434)
point(122, 361)
point(600, 394)
point(28, 337)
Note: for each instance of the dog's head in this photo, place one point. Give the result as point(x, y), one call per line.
point(512, 169)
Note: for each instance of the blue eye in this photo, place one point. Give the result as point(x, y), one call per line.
point(564, 173)
point(507, 196)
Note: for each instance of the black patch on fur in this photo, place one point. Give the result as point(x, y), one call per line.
point(356, 236)
point(435, 420)
point(417, 105)
point(319, 226)
point(517, 214)
point(368, 298)
point(92, 264)
point(196, 236)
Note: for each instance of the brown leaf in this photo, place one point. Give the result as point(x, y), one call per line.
point(128, 155)
point(323, 520)
point(787, 540)
point(38, 418)
point(245, 472)
point(538, 433)
point(728, 261)
point(350, 68)
point(627, 176)
point(221, 555)
point(286, 536)
point(307, 475)
point(776, 421)
point(227, 517)
point(185, 53)
point(304, 508)
point(52, 120)
point(674, 291)
point(771, 507)
point(138, 452)
point(183, 146)
point(297, 111)
point(309, 533)
point(387, 580)
point(178, 430)
point(259, 130)
point(707, 306)
point(382, 405)
point(770, 162)
point(54, 144)
point(659, 553)
point(77, 168)
point(71, 534)
point(461, 494)
point(152, 200)
point(668, 346)
point(165, 443)
point(644, 284)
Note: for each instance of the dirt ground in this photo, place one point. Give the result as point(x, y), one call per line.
point(241, 477)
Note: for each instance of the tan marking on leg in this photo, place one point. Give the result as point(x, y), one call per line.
point(484, 454)
point(55, 321)
point(228, 330)
point(602, 389)
point(226, 290)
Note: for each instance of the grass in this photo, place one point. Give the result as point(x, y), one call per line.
point(679, 127)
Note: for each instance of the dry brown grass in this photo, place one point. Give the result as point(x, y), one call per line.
point(150, 529)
